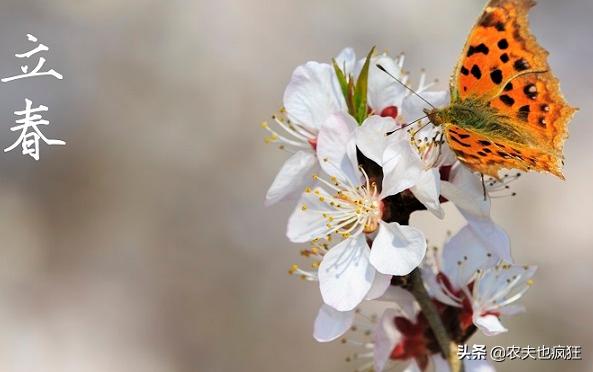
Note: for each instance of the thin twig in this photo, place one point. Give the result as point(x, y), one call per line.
point(447, 346)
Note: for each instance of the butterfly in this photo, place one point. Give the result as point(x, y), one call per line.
point(506, 109)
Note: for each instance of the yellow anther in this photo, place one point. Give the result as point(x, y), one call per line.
point(304, 207)
point(315, 264)
point(530, 282)
point(307, 189)
point(264, 125)
point(321, 198)
point(293, 269)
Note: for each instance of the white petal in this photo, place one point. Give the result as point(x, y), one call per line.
point(346, 60)
point(383, 90)
point(465, 190)
point(435, 289)
point(292, 177)
point(478, 366)
point(397, 250)
point(403, 299)
point(313, 94)
point(463, 254)
point(489, 324)
point(336, 148)
point(371, 137)
point(412, 367)
point(306, 224)
point(512, 309)
point(345, 273)
point(440, 364)
point(494, 239)
point(428, 190)
point(413, 107)
point(402, 166)
point(385, 337)
point(380, 285)
point(331, 323)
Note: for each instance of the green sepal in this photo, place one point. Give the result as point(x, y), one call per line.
point(360, 111)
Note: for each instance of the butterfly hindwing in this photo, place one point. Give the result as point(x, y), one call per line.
point(486, 155)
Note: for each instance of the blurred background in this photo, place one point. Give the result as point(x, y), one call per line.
point(143, 244)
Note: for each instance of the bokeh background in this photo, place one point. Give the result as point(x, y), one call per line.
point(144, 246)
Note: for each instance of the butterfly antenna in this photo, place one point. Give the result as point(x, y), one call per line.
point(404, 85)
point(412, 122)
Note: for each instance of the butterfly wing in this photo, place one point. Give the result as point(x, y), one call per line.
point(503, 65)
point(487, 156)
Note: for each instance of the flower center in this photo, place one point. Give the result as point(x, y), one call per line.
point(354, 209)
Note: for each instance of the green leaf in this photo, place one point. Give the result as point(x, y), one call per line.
point(341, 77)
point(360, 92)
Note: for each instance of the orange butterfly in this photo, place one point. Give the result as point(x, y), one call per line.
point(506, 108)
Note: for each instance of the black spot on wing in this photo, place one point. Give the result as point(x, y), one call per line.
point(507, 100)
point(523, 112)
point(503, 44)
point(521, 65)
point(476, 72)
point(464, 71)
point(457, 140)
point(484, 142)
point(508, 87)
point(496, 76)
point(504, 57)
point(530, 91)
point(482, 48)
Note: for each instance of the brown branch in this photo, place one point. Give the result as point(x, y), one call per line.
point(447, 346)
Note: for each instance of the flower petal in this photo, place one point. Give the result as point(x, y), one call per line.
point(336, 148)
point(383, 90)
point(493, 238)
point(345, 273)
point(385, 337)
point(306, 222)
point(397, 250)
point(292, 177)
point(381, 283)
point(478, 365)
point(403, 299)
point(413, 107)
point(402, 166)
point(346, 60)
point(465, 190)
point(331, 323)
point(312, 95)
point(428, 189)
point(440, 364)
point(489, 324)
point(371, 137)
point(463, 254)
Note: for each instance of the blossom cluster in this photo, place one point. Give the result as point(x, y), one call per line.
point(364, 156)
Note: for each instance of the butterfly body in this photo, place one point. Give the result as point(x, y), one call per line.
point(506, 108)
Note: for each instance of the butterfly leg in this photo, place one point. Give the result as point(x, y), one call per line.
point(484, 186)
